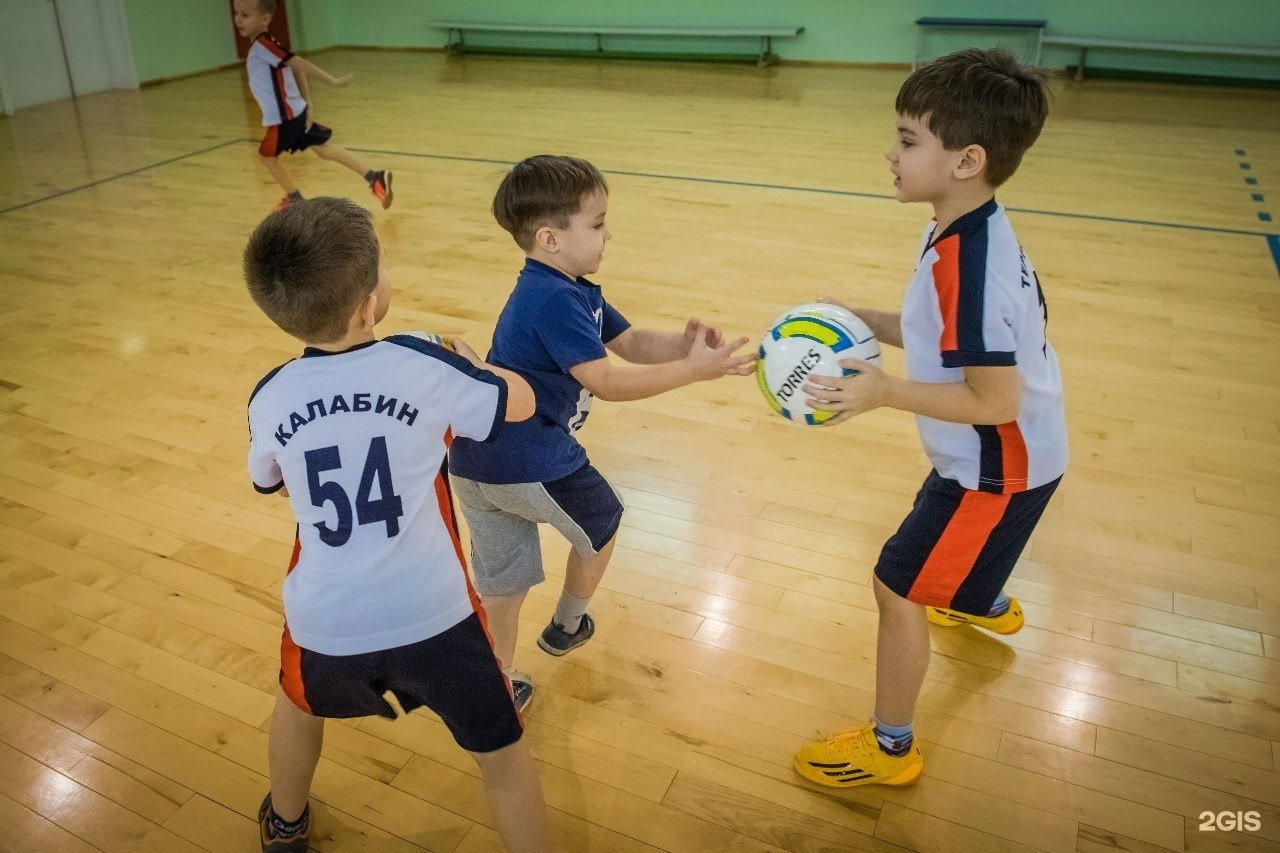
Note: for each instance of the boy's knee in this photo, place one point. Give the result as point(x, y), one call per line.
point(889, 601)
point(502, 758)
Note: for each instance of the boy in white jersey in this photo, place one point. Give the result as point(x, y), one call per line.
point(278, 80)
point(355, 433)
point(984, 385)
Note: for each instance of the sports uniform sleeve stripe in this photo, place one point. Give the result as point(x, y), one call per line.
point(960, 277)
point(274, 48)
point(946, 281)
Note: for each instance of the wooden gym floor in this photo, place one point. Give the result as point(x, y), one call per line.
point(140, 573)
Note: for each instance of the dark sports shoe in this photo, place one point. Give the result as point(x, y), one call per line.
point(271, 843)
point(380, 186)
point(557, 641)
point(521, 691)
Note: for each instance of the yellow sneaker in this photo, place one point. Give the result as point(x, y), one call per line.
point(1009, 622)
point(854, 757)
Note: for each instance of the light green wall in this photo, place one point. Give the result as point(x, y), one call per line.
point(1238, 22)
point(175, 37)
point(311, 24)
point(857, 31)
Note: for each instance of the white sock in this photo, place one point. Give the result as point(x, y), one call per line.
point(569, 611)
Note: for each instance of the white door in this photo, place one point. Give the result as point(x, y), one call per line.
point(32, 69)
point(33, 35)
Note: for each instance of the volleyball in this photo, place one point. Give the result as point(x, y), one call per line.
point(805, 340)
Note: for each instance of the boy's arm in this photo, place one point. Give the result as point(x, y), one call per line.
point(304, 89)
point(701, 361)
point(308, 68)
point(885, 325)
point(988, 395)
point(521, 401)
point(646, 346)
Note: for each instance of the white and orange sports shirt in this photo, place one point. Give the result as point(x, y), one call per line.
point(975, 300)
point(271, 82)
point(360, 438)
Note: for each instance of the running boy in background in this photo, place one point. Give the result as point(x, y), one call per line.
point(984, 385)
point(355, 433)
point(278, 80)
point(554, 331)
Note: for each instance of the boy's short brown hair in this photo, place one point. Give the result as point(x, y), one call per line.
point(267, 7)
point(309, 266)
point(543, 189)
point(979, 97)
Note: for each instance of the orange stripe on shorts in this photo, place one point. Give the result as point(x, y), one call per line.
point(291, 671)
point(270, 145)
point(956, 551)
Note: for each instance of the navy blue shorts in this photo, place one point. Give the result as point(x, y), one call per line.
point(454, 673)
point(293, 135)
point(957, 547)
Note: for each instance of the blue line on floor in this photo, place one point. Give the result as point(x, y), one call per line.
point(101, 181)
point(827, 191)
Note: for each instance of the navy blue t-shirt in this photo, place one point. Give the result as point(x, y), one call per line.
point(550, 324)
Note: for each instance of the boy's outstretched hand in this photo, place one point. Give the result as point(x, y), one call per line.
point(462, 348)
point(711, 362)
point(715, 338)
point(848, 395)
point(341, 80)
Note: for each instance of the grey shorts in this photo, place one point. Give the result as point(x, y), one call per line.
point(506, 553)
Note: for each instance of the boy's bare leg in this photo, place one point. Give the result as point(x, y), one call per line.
point(280, 173)
point(902, 656)
point(515, 798)
point(503, 618)
point(335, 152)
point(582, 574)
point(293, 751)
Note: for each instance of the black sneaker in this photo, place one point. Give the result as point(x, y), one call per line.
point(521, 691)
point(557, 641)
point(271, 843)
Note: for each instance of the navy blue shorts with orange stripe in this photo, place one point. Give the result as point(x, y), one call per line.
point(454, 673)
point(293, 135)
point(957, 547)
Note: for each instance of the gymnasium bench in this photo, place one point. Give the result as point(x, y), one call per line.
point(765, 55)
point(1087, 42)
point(1034, 26)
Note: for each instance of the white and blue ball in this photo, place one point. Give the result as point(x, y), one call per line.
point(810, 339)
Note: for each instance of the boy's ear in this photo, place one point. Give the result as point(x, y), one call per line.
point(545, 239)
point(366, 316)
point(972, 162)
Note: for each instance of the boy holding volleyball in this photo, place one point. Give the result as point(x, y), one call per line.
point(984, 385)
point(355, 432)
point(555, 331)
point(278, 80)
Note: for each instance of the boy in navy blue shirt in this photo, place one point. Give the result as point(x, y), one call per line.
point(554, 331)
